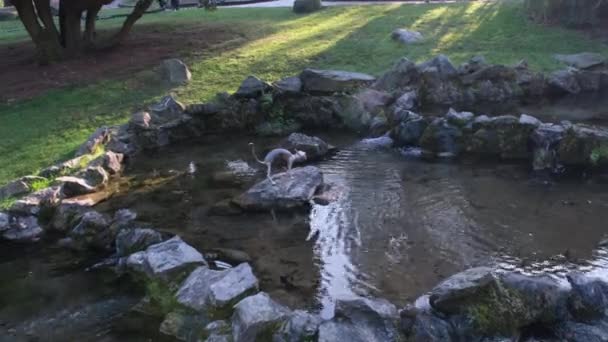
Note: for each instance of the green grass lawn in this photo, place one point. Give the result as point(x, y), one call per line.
point(37, 132)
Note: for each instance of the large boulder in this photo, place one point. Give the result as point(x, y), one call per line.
point(256, 318)
point(131, 240)
point(314, 147)
point(290, 190)
point(353, 113)
point(331, 81)
point(442, 64)
point(210, 291)
point(168, 261)
point(407, 37)
point(175, 72)
point(451, 295)
point(584, 60)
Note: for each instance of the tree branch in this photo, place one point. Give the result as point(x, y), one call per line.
point(138, 12)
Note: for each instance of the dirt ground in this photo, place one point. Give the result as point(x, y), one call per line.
point(23, 78)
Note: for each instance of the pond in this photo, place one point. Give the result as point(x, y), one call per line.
point(398, 227)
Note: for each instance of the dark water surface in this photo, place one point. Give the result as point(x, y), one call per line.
point(398, 227)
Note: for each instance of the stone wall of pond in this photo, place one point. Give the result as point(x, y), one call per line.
point(201, 300)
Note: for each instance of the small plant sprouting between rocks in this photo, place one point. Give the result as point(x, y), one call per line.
point(6, 203)
point(40, 184)
point(598, 155)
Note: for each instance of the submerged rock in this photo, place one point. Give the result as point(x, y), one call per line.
point(167, 261)
point(331, 81)
point(314, 147)
point(211, 291)
point(256, 318)
point(291, 190)
point(129, 241)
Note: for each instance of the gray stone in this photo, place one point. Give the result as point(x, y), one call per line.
point(94, 142)
point(459, 119)
point(13, 189)
point(256, 316)
point(175, 72)
point(442, 63)
point(442, 138)
point(564, 82)
point(409, 132)
point(252, 87)
point(428, 327)
point(583, 60)
point(589, 297)
point(74, 186)
point(407, 101)
point(129, 241)
point(183, 326)
point(451, 295)
point(314, 147)
point(528, 120)
point(110, 161)
point(219, 338)
point(218, 327)
point(167, 261)
point(353, 114)
point(166, 110)
point(207, 290)
point(374, 101)
point(403, 75)
point(583, 332)
point(67, 216)
point(4, 222)
point(300, 326)
point(330, 81)
point(23, 229)
point(373, 319)
point(93, 230)
point(291, 190)
point(584, 145)
point(94, 176)
point(33, 203)
point(289, 85)
point(339, 330)
point(378, 127)
point(407, 37)
point(140, 120)
point(475, 64)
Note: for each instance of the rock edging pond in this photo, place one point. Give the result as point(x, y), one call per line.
point(200, 298)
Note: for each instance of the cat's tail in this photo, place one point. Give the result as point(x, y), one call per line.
point(254, 156)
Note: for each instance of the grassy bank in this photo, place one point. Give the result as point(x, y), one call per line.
point(274, 43)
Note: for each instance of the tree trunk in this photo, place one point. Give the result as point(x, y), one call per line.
point(47, 45)
point(138, 12)
point(7, 3)
point(53, 44)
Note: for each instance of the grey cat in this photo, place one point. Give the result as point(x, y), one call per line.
point(282, 153)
